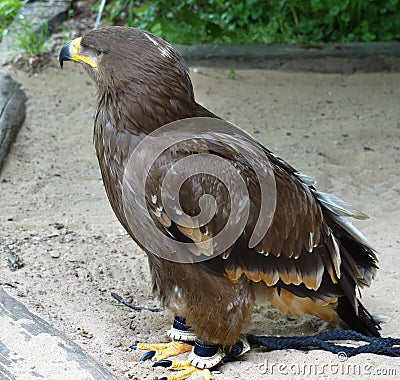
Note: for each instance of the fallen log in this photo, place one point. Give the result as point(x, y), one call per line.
point(12, 112)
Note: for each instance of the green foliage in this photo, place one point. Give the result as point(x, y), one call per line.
point(31, 41)
point(257, 21)
point(335, 20)
point(8, 11)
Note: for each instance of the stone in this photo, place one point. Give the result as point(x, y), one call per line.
point(34, 14)
point(12, 112)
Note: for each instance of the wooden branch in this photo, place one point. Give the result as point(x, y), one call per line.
point(134, 307)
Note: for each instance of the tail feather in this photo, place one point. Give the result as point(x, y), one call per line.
point(358, 263)
point(362, 321)
point(358, 256)
point(338, 206)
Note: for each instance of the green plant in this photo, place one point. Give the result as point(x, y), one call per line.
point(334, 20)
point(257, 21)
point(32, 41)
point(8, 10)
point(189, 21)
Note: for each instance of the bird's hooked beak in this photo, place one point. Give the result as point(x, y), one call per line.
point(70, 52)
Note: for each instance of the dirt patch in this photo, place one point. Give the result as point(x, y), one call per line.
point(344, 131)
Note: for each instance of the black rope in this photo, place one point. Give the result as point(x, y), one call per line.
point(322, 341)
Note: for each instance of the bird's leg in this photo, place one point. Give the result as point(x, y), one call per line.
point(181, 331)
point(202, 359)
point(160, 351)
point(203, 356)
point(185, 370)
point(182, 337)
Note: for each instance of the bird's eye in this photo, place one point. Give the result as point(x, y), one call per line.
point(98, 52)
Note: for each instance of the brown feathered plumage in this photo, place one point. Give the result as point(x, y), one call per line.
point(311, 260)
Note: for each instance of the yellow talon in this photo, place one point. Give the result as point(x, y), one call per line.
point(151, 346)
point(186, 370)
point(180, 365)
point(165, 350)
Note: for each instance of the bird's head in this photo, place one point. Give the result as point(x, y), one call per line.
point(121, 57)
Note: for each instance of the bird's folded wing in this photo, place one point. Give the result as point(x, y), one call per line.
point(299, 251)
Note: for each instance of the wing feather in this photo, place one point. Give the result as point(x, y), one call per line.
point(310, 256)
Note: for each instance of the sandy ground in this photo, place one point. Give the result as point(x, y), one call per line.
point(343, 131)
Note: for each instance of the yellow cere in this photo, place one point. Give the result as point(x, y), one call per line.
point(75, 47)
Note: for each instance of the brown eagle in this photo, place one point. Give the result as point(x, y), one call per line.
point(309, 259)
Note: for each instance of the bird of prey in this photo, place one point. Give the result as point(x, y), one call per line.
point(309, 260)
